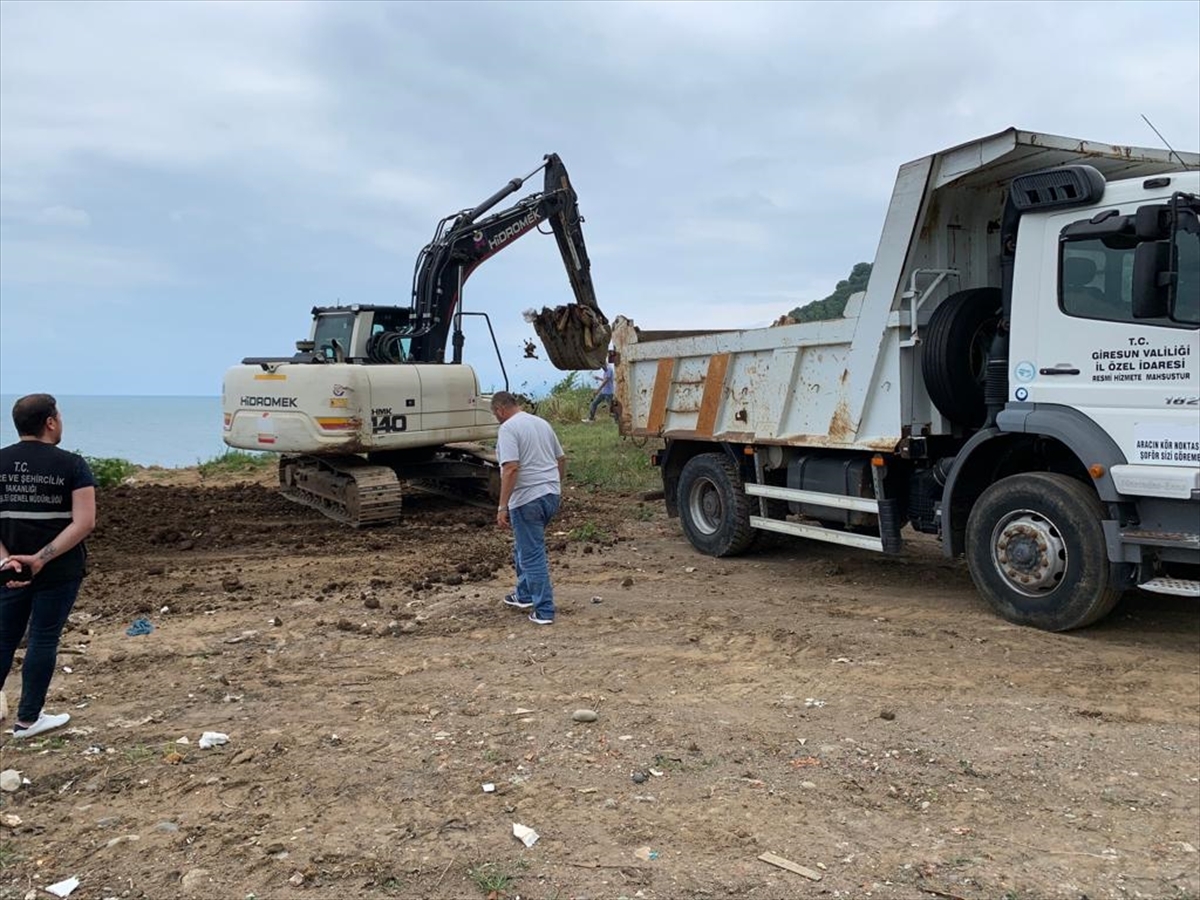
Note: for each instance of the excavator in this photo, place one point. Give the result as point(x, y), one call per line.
point(369, 403)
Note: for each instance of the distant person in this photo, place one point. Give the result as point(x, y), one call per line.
point(532, 467)
point(604, 392)
point(47, 508)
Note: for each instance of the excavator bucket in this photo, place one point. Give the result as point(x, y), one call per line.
point(575, 336)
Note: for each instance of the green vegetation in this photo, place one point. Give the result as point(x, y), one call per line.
point(488, 877)
point(599, 457)
point(9, 855)
point(237, 462)
point(109, 471)
point(393, 884)
point(588, 531)
point(568, 400)
point(834, 305)
point(139, 754)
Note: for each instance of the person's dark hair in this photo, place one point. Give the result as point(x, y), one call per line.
point(503, 400)
point(31, 412)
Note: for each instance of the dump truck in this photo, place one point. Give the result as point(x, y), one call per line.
point(1021, 378)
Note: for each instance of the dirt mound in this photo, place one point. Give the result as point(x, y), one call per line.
point(862, 716)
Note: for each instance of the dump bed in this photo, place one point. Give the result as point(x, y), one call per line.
point(854, 382)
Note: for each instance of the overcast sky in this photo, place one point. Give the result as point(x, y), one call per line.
point(180, 183)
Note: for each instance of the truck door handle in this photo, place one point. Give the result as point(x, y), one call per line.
point(1058, 371)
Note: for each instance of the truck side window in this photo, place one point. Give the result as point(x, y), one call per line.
point(1096, 279)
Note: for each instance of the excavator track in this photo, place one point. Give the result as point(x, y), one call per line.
point(468, 473)
point(347, 489)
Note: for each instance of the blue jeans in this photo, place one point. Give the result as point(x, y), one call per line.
point(529, 523)
point(43, 611)
point(596, 401)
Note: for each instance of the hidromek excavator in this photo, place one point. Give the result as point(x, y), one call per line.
point(369, 401)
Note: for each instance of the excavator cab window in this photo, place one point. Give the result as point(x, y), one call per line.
point(331, 328)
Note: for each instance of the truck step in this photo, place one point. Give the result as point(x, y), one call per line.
point(1179, 587)
point(818, 533)
point(1180, 539)
point(816, 498)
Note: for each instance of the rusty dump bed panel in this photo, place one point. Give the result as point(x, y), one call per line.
point(852, 383)
point(785, 385)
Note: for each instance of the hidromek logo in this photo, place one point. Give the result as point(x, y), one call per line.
point(512, 231)
point(280, 402)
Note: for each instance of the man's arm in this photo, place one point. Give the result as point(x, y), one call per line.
point(508, 482)
point(83, 521)
point(562, 469)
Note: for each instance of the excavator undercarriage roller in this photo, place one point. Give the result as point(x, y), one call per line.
point(364, 492)
point(347, 489)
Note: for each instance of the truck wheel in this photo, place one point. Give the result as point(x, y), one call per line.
point(954, 354)
point(713, 507)
point(1036, 551)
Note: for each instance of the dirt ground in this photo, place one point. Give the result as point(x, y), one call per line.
point(865, 718)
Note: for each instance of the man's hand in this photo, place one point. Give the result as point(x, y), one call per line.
point(502, 518)
point(27, 566)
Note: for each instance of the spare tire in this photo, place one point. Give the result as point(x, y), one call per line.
point(954, 354)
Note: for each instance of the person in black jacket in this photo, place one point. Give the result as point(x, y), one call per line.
point(47, 508)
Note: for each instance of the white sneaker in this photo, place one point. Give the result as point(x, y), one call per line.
point(43, 724)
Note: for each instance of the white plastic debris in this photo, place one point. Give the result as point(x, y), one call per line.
point(182, 740)
point(10, 780)
point(64, 888)
point(211, 739)
point(526, 836)
point(489, 788)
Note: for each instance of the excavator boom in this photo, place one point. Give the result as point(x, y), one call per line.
point(575, 335)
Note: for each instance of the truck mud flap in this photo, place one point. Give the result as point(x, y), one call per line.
point(575, 337)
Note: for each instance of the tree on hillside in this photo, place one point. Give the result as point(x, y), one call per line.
point(832, 306)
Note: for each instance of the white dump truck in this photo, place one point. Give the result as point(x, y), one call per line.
point(1021, 377)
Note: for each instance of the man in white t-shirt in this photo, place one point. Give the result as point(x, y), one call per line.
point(532, 466)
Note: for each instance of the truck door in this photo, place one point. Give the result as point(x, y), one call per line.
point(1077, 343)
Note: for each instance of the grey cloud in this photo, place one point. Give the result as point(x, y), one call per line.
point(728, 156)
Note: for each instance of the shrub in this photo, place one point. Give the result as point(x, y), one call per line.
point(109, 471)
point(236, 462)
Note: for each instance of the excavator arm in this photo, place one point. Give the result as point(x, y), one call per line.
point(575, 336)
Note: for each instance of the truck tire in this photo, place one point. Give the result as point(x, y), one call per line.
point(954, 354)
point(713, 507)
point(1036, 552)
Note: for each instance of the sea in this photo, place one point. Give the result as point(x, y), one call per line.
point(172, 432)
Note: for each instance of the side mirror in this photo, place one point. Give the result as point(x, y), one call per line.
point(1153, 222)
point(1151, 278)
